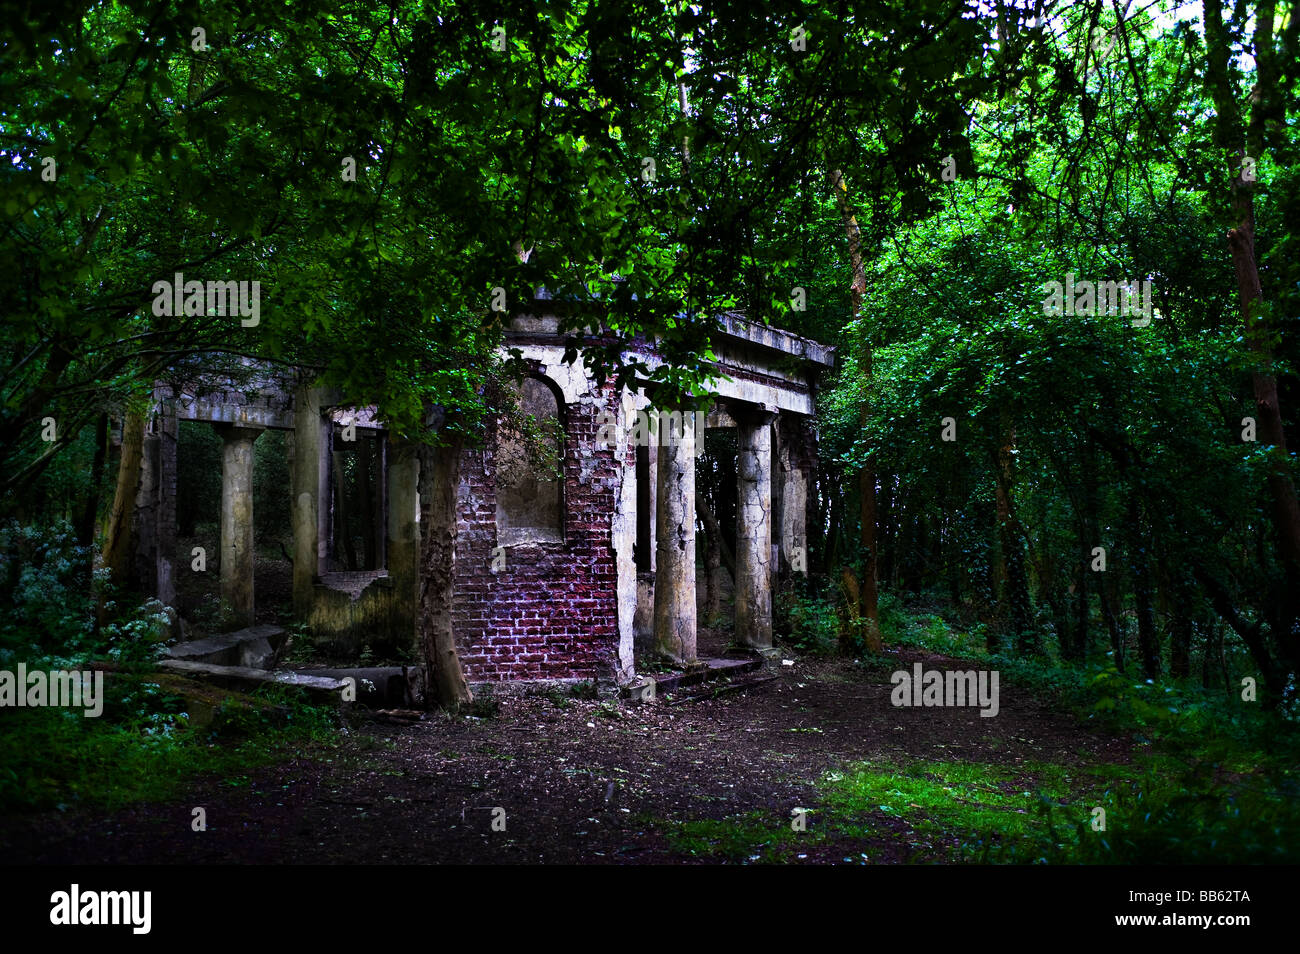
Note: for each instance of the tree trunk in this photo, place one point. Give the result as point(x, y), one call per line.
point(1206, 654)
point(867, 477)
point(1083, 608)
point(712, 560)
point(86, 519)
point(1180, 644)
point(1090, 537)
point(1015, 595)
point(834, 522)
point(117, 535)
point(1148, 642)
point(823, 521)
point(439, 489)
point(1052, 591)
point(1259, 328)
point(885, 520)
point(870, 589)
point(953, 559)
point(1112, 624)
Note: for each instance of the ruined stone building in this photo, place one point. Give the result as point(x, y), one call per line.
point(564, 573)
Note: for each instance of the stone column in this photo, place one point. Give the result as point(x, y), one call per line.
point(145, 520)
point(168, 440)
point(644, 623)
point(675, 621)
point(754, 529)
point(306, 497)
point(404, 535)
point(237, 555)
point(625, 524)
point(652, 469)
point(794, 497)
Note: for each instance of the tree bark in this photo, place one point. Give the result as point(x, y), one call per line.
point(1015, 595)
point(1112, 624)
point(117, 535)
point(834, 532)
point(1180, 644)
point(885, 522)
point(1148, 642)
point(439, 490)
point(86, 519)
point(867, 477)
point(1259, 328)
point(1083, 608)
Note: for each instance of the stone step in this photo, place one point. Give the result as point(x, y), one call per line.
point(252, 648)
point(711, 690)
point(392, 687)
point(709, 671)
point(319, 688)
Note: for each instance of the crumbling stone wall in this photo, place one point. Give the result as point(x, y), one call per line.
point(543, 610)
point(360, 612)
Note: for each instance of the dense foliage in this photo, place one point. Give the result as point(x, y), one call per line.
point(1106, 494)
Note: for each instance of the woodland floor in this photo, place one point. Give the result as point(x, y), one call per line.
point(598, 782)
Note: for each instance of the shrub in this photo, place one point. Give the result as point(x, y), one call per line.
point(47, 599)
point(808, 622)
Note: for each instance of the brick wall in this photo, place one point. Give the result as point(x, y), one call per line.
point(551, 612)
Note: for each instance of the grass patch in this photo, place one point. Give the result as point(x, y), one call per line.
point(754, 837)
point(146, 746)
point(947, 812)
point(979, 810)
point(1215, 779)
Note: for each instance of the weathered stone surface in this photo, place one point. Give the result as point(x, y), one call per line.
point(530, 507)
point(237, 553)
point(388, 686)
point(544, 609)
point(403, 538)
point(252, 648)
point(791, 480)
point(306, 496)
point(675, 617)
point(154, 520)
point(754, 529)
point(625, 524)
point(709, 670)
point(241, 677)
point(644, 622)
point(363, 609)
point(642, 690)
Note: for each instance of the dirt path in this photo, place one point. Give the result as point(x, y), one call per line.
point(580, 781)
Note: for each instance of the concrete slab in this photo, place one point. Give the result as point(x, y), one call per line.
point(393, 687)
point(708, 670)
point(253, 647)
point(321, 689)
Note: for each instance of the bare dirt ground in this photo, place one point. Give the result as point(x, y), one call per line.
point(579, 781)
